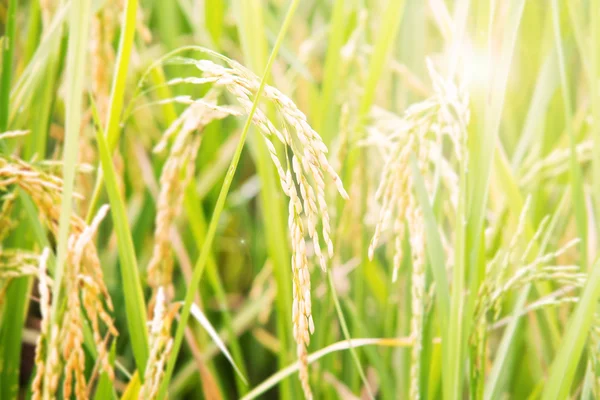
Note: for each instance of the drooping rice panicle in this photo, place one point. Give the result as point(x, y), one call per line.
point(418, 133)
point(92, 292)
point(308, 165)
point(511, 269)
point(442, 117)
point(176, 173)
point(83, 278)
point(52, 369)
point(43, 188)
point(80, 286)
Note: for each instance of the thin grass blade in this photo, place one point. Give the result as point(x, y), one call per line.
point(338, 346)
point(202, 320)
point(132, 287)
point(569, 354)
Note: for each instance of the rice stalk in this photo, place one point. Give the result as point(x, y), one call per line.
point(7, 53)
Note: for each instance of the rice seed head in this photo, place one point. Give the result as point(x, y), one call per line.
point(15, 263)
point(52, 370)
point(71, 326)
point(176, 173)
point(513, 268)
point(309, 165)
point(307, 171)
point(83, 276)
point(6, 222)
point(45, 189)
point(303, 325)
point(418, 299)
point(160, 344)
point(40, 349)
point(102, 55)
point(419, 132)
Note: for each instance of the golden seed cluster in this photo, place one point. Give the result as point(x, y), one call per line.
point(302, 179)
point(417, 134)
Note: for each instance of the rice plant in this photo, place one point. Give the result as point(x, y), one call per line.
point(391, 199)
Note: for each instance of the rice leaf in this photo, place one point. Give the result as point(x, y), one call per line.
point(338, 346)
point(346, 332)
point(324, 122)
point(565, 363)
point(105, 388)
point(131, 285)
point(214, 13)
point(578, 194)
point(202, 320)
point(8, 48)
point(435, 250)
point(133, 388)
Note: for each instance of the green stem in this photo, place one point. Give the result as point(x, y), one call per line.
point(135, 307)
point(198, 227)
point(595, 100)
point(452, 353)
point(346, 332)
point(575, 172)
point(76, 58)
point(331, 73)
point(7, 58)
